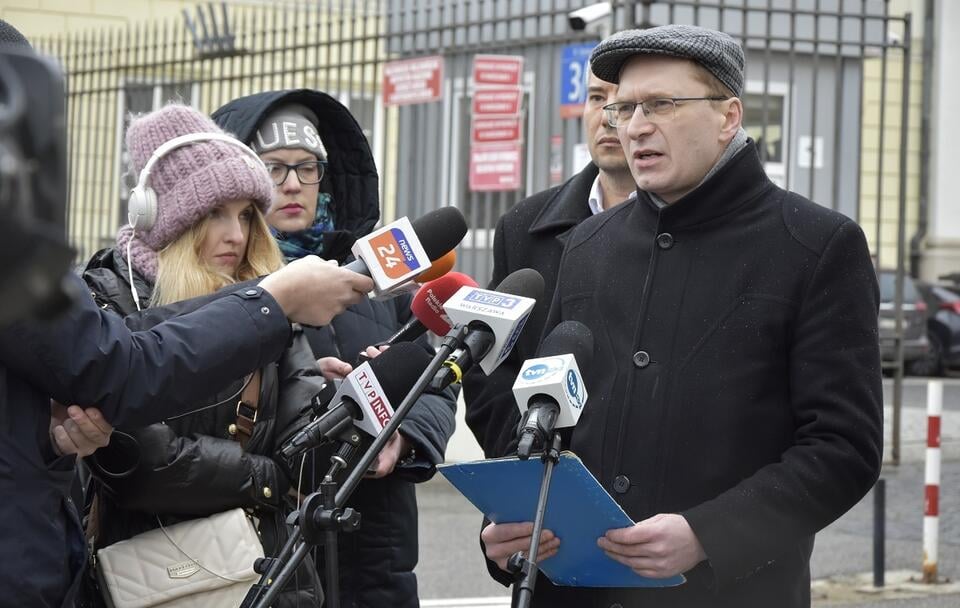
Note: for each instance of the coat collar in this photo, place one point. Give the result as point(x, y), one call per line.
point(740, 181)
point(568, 205)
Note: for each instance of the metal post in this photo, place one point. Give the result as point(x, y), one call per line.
point(931, 503)
point(901, 236)
point(879, 532)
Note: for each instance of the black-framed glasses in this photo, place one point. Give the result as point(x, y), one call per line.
point(658, 110)
point(308, 172)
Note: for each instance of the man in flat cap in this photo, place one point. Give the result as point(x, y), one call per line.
point(735, 404)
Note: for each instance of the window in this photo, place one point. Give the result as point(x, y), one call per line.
point(773, 141)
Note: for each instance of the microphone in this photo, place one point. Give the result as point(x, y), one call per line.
point(427, 307)
point(364, 398)
point(398, 252)
point(440, 267)
point(493, 321)
point(549, 390)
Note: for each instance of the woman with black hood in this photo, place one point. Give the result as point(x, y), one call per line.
point(326, 197)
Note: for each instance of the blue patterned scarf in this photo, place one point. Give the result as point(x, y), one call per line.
point(295, 245)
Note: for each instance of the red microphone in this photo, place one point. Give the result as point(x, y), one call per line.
point(427, 307)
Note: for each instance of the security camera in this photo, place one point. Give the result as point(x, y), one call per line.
point(590, 16)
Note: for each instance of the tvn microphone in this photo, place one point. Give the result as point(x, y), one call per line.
point(365, 396)
point(400, 251)
point(439, 268)
point(494, 320)
point(549, 390)
point(427, 307)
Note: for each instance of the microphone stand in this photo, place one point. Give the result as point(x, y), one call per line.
point(320, 522)
point(329, 516)
point(525, 569)
point(447, 346)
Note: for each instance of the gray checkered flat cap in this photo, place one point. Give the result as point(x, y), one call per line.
point(717, 52)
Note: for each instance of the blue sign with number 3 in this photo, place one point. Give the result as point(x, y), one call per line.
point(574, 66)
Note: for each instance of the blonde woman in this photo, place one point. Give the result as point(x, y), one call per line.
point(209, 233)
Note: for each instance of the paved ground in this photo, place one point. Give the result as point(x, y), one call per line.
point(452, 572)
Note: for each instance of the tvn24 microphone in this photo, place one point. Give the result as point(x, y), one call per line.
point(365, 396)
point(427, 307)
point(494, 320)
point(549, 390)
point(398, 252)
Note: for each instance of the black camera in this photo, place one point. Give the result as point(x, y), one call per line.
point(34, 254)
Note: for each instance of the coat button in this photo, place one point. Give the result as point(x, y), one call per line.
point(267, 493)
point(621, 484)
point(251, 292)
point(665, 240)
point(641, 359)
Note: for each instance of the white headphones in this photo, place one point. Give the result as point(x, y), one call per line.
point(142, 206)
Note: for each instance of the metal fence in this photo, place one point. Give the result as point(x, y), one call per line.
point(828, 95)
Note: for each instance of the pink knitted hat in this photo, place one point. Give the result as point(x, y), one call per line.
point(189, 181)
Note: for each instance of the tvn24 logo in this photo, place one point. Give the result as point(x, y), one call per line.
point(540, 371)
point(394, 253)
point(575, 389)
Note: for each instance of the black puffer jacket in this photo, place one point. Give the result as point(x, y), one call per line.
point(190, 466)
point(377, 562)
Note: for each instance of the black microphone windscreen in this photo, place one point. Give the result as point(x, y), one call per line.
point(526, 283)
point(398, 368)
point(440, 231)
point(569, 338)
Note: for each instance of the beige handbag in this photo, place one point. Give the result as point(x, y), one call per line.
point(206, 562)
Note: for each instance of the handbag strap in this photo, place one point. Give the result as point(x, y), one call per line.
point(247, 407)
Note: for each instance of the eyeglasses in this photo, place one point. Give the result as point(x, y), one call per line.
point(658, 111)
point(308, 172)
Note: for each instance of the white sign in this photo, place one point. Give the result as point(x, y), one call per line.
point(581, 156)
point(804, 150)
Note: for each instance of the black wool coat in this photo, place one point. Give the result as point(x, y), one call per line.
point(735, 379)
point(530, 235)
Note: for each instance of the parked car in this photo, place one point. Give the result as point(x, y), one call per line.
point(916, 345)
point(943, 327)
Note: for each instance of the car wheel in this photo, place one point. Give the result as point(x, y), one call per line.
point(930, 364)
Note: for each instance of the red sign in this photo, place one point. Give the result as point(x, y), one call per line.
point(495, 167)
point(495, 129)
point(571, 110)
point(497, 70)
point(410, 81)
point(504, 100)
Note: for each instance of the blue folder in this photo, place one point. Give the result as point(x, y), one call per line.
point(579, 511)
